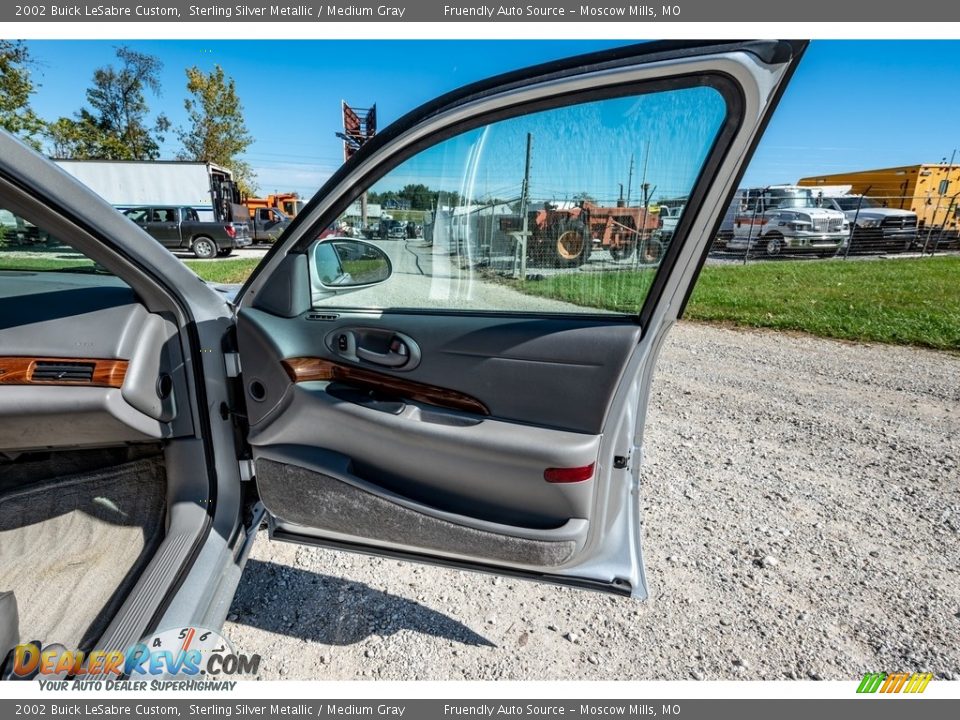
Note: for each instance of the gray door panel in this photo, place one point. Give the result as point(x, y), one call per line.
point(555, 372)
point(486, 467)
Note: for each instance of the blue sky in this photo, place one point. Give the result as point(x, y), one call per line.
point(852, 105)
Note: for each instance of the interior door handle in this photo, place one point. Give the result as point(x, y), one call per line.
point(396, 356)
point(382, 347)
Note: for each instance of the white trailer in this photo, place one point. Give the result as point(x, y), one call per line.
point(205, 187)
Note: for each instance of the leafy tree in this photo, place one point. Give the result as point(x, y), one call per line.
point(217, 132)
point(419, 196)
point(16, 87)
point(115, 127)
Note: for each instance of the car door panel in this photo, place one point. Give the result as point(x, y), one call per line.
point(87, 364)
point(528, 370)
point(425, 452)
point(300, 480)
point(458, 455)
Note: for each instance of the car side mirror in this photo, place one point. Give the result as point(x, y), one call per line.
point(340, 264)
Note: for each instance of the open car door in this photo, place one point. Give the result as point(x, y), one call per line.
point(483, 406)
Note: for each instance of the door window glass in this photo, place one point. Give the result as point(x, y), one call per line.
point(552, 211)
point(30, 251)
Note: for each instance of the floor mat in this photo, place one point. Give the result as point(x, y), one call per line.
point(70, 549)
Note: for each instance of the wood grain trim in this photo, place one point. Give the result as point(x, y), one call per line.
point(19, 371)
point(304, 369)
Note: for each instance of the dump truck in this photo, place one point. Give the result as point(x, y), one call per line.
point(288, 203)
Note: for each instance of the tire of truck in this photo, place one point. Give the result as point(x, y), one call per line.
point(225, 252)
point(773, 244)
point(651, 251)
point(571, 244)
point(204, 247)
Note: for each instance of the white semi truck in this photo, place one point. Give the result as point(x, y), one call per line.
point(786, 219)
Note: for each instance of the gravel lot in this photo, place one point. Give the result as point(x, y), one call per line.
point(803, 521)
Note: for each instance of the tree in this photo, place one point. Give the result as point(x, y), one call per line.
point(16, 87)
point(115, 127)
point(419, 196)
point(217, 132)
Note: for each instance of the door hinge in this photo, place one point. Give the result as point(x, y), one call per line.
point(247, 470)
point(621, 461)
point(231, 361)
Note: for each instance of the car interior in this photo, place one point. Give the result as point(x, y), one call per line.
point(95, 447)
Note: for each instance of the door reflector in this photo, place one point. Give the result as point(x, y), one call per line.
point(568, 475)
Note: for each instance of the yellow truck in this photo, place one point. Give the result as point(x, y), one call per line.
point(931, 191)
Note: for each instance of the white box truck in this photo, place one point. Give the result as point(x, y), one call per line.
point(207, 188)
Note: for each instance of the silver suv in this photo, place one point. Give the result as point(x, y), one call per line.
point(786, 218)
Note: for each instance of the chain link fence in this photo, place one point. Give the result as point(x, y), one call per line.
point(840, 227)
point(498, 239)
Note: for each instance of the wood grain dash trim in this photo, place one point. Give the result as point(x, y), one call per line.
point(18, 370)
point(304, 369)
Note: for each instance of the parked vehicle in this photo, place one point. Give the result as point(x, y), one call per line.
point(288, 203)
point(564, 235)
point(928, 189)
point(875, 228)
point(669, 217)
point(267, 224)
point(181, 421)
point(207, 188)
point(786, 219)
point(727, 224)
point(180, 228)
point(15, 230)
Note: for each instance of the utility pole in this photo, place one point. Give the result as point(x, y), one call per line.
point(629, 180)
point(643, 184)
point(524, 200)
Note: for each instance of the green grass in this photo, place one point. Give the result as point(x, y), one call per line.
point(903, 302)
point(221, 271)
point(17, 263)
point(230, 271)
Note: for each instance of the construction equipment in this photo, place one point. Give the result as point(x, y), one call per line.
point(287, 203)
point(565, 236)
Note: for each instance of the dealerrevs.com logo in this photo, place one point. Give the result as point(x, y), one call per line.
point(189, 658)
point(889, 683)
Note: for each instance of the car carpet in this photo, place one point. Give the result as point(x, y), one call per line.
point(71, 548)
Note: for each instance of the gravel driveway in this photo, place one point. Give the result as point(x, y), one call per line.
point(802, 499)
